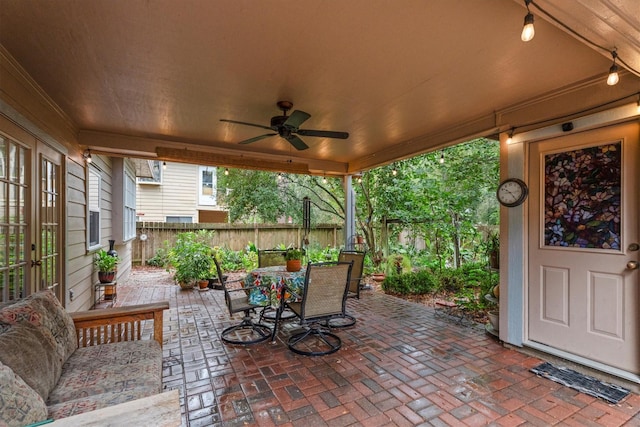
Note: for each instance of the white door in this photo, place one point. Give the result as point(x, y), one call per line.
point(583, 246)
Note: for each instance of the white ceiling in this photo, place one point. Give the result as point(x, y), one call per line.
point(397, 75)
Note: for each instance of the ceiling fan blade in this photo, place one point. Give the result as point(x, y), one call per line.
point(257, 138)
point(246, 124)
point(296, 119)
point(323, 133)
point(296, 142)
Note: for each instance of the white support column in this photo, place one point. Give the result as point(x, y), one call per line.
point(349, 212)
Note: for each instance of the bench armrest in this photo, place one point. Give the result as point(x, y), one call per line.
point(95, 327)
point(159, 410)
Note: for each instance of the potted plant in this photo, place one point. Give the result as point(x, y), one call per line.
point(106, 265)
point(190, 257)
point(294, 259)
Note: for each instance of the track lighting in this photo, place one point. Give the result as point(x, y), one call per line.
point(613, 78)
point(226, 171)
point(528, 31)
point(87, 156)
point(441, 158)
point(164, 166)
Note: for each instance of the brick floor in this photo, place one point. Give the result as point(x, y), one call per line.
point(399, 366)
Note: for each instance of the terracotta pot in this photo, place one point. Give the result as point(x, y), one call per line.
point(378, 277)
point(203, 284)
point(294, 265)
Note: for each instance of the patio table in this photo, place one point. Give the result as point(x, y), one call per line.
point(274, 285)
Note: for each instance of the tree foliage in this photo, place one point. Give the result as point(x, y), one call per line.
point(439, 203)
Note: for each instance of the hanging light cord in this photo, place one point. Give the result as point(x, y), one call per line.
point(581, 37)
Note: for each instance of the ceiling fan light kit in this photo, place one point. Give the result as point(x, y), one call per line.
point(287, 127)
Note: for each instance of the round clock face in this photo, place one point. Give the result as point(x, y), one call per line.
point(512, 192)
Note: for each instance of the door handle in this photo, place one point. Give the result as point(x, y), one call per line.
point(632, 265)
point(34, 263)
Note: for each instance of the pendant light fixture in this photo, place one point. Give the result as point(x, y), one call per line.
point(528, 31)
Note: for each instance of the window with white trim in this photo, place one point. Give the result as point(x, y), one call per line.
point(94, 189)
point(129, 208)
point(207, 184)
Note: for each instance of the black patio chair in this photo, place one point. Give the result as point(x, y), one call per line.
point(273, 258)
point(237, 300)
point(324, 298)
point(354, 285)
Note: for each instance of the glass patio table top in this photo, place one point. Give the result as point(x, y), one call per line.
point(273, 280)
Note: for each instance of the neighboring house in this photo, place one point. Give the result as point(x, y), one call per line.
point(179, 192)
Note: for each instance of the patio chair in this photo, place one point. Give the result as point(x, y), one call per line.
point(354, 285)
point(324, 298)
point(271, 257)
point(237, 300)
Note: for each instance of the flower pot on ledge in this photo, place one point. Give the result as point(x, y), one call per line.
point(294, 265)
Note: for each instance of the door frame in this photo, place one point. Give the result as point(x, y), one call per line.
point(514, 233)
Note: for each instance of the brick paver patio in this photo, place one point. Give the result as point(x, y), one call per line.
point(399, 366)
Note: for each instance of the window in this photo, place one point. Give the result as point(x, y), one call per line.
point(207, 185)
point(156, 170)
point(94, 189)
point(182, 219)
point(129, 208)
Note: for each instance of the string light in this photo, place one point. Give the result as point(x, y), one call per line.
point(226, 171)
point(164, 166)
point(510, 137)
point(638, 103)
point(324, 179)
point(613, 78)
point(360, 176)
point(528, 31)
point(87, 156)
point(394, 171)
point(442, 158)
point(279, 176)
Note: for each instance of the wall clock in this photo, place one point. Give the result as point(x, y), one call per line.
point(512, 192)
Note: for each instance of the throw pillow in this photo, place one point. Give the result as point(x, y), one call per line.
point(19, 404)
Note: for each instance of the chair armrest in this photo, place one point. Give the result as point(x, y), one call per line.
point(95, 327)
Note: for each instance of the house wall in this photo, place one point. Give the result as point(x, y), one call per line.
point(176, 195)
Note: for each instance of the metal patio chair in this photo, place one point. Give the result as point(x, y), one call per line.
point(237, 301)
point(324, 298)
point(354, 285)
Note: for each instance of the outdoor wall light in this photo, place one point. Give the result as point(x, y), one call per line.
point(87, 156)
point(528, 31)
point(613, 78)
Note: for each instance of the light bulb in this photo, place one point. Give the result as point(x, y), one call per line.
point(510, 138)
point(279, 176)
point(613, 78)
point(639, 106)
point(164, 165)
point(324, 180)
point(442, 158)
point(528, 31)
point(394, 172)
point(226, 171)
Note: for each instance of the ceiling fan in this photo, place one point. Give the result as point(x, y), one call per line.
point(288, 127)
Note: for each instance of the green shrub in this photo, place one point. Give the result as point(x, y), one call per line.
point(413, 283)
point(160, 259)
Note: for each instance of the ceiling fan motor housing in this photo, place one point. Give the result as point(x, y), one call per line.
point(278, 121)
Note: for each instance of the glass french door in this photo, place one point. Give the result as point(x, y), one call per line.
point(30, 215)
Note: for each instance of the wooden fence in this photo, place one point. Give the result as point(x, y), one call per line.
point(152, 235)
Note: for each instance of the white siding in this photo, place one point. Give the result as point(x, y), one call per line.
point(175, 196)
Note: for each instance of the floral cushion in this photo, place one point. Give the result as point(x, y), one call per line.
point(31, 353)
point(19, 404)
point(43, 309)
point(104, 375)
